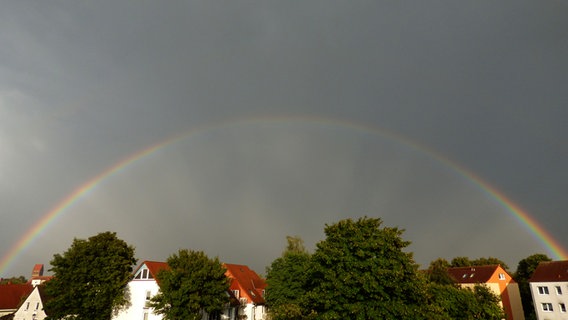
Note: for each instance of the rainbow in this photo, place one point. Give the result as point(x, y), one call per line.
point(83, 190)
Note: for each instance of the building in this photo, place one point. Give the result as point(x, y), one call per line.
point(32, 307)
point(144, 286)
point(549, 289)
point(498, 281)
point(11, 296)
point(248, 287)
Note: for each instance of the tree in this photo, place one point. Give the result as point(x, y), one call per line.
point(286, 280)
point(360, 271)
point(438, 272)
point(14, 280)
point(466, 262)
point(193, 284)
point(90, 278)
point(525, 270)
point(453, 302)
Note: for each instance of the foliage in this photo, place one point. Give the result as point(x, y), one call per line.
point(13, 280)
point(525, 270)
point(286, 280)
point(90, 278)
point(438, 272)
point(466, 262)
point(360, 271)
point(453, 302)
point(193, 284)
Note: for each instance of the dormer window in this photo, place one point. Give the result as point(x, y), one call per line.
point(143, 274)
point(501, 276)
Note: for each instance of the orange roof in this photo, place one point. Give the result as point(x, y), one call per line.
point(248, 282)
point(11, 295)
point(550, 271)
point(473, 274)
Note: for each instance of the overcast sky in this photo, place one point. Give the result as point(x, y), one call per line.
point(297, 113)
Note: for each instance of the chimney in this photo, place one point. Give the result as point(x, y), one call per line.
point(37, 271)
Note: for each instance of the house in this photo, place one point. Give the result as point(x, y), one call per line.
point(249, 288)
point(144, 286)
point(549, 289)
point(32, 306)
point(11, 295)
point(141, 289)
point(498, 281)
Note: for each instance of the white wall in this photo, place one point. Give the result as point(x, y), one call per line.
point(552, 297)
point(32, 308)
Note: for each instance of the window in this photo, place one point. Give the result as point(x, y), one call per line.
point(236, 293)
point(143, 274)
point(558, 290)
point(148, 295)
point(27, 305)
point(145, 315)
point(562, 307)
point(542, 290)
point(547, 307)
point(502, 276)
point(37, 306)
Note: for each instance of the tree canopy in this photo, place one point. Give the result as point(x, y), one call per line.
point(286, 280)
point(360, 271)
point(525, 270)
point(193, 284)
point(90, 278)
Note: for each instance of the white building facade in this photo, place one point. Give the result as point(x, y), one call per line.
point(549, 289)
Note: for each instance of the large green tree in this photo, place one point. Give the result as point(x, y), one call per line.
point(525, 270)
point(90, 278)
point(286, 280)
point(360, 271)
point(193, 284)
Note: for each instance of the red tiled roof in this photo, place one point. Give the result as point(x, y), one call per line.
point(249, 284)
point(550, 271)
point(154, 267)
point(11, 295)
point(474, 274)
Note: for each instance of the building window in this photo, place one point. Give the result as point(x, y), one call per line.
point(145, 315)
point(542, 290)
point(562, 307)
point(27, 306)
point(547, 307)
point(148, 295)
point(236, 293)
point(558, 290)
point(502, 276)
point(37, 306)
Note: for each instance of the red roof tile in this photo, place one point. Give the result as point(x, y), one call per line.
point(474, 274)
point(11, 295)
point(248, 282)
point(550, 271)
point(154, 267)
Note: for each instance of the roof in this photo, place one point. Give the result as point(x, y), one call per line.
point(154, 267)
point(11, 295)
point(550, 271)
point(473, 274)
point(37, 270)
point(246, 280)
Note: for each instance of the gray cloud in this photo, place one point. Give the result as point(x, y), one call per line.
point(84, 85)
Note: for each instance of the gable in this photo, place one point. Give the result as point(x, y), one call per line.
point(148, 270)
